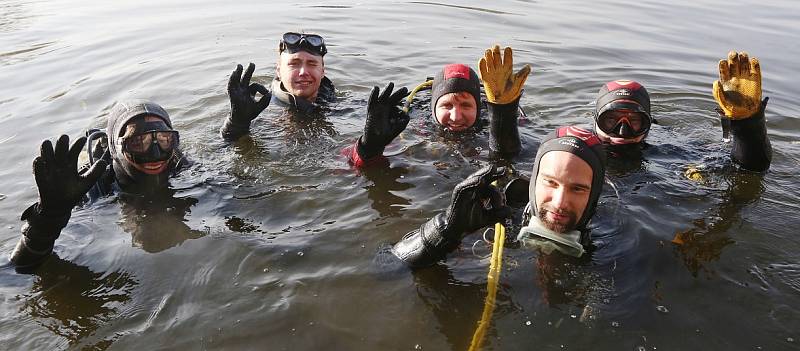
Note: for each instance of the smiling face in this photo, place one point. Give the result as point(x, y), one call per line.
point(301, 73)
point(456, 111)
point(563, 186)
point(150, 168)
point(622, 126)
point(613, 140)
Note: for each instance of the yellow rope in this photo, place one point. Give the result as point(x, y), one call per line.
point(424, 85)
point(491, 294)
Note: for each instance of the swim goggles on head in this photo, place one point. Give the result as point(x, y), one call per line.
point(150, 146)
point(623, 120)
point(294, 42)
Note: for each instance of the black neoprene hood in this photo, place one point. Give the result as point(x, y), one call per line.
point(456, 78)
point(122, 113)
point(581, 143)
point(624, 92)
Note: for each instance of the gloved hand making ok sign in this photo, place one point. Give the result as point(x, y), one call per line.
point(385, 121)
point(476, 204)
point(244, 106)
point(56, 173)
point(738, 90)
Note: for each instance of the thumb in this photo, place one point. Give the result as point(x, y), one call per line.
point(402, 121)
point(265, 95)
point(719, 96)
point(93, 174)
point(522, 75)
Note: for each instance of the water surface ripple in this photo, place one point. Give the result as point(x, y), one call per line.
point(271, 242)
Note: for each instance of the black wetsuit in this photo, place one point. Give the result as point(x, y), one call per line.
point(40, 230)
point(606, 281)
point(751, 150)
point(501, 119)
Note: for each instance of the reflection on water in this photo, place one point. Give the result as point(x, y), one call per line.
point(710, 234)
point(464, 7)
point(386, 184)
point(284, 234)
point(24, 54)
point(72, 301)
point(13, 15)
point(156, 224)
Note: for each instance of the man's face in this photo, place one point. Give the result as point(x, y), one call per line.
point(563, 186)
point(150, 168)
point(301, 73)
point(633, 121)
point(456, 111)
point(607, 139)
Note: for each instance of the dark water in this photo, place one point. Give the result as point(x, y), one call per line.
point(271, 243)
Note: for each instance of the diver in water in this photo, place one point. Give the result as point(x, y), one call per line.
point(300, 84)
point(142, 151)
point(455, 104)
point(622, 117)
point(569, 172)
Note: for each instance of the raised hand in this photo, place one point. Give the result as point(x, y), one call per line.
point(385, 120)
point(56, 173)
point(476, 203)
point(501, 84)
point(242, 93)
point(738, 90)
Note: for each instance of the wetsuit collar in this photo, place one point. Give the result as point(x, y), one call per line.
point(326, 94)
point(536, 235)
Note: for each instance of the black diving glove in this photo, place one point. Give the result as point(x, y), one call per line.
point(60, 185)
point(244, 106)
point(476, 204)
point(60, 188)
point(385, 121)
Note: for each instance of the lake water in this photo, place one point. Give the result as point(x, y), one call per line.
point(271, 242)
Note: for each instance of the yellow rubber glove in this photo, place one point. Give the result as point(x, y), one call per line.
point(738, 90)
point(501, 84)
